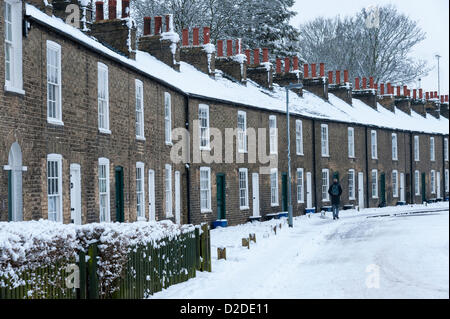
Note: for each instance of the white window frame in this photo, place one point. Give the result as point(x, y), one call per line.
point(140, 122)
point(203, 127)
point(55, 48)
point(325, 184)
point(433, 181)
point(300, 186)
point(15, 82)
point(432, 149)
point(374, 183)
point(242, 132)
point(56, 158)
point(395, 185)
point(205, 190)
point(324, 140)
point(168, 118)
point(351, 184)
point(299, 137)
point(103, 98)
point(140, 191)
point(351, 142)
point(446, 180)
point(374, 144)
point(107, 218)
point(394, 147)
point(168, 190)
point(273, 134)
point(446, 149)
point(274, 202)
point(417, 183)
point(243, 188)
point(416, 148)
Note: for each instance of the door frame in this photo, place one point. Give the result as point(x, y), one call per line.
point(120, 211)
point(78, 218)
point(256, 199)
point(361, 199)
point(222, 176)
point(402, 187)
point(438, 184)
point(309, 201)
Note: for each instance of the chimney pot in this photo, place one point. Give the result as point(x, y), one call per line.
point(442, 99)
point(295, 63)
point(147, 25)
point(415, 94)
point(420, 94)
point(185, 38)
point(405, 90)
point(279, 66)
point(389, 88)
point(99, 14)
point(256, 57)
point(427, 95)
point(125, 8)
point(364, 83)
point(196, 36)
point(206, 35)
point(435, 94)
point(382, 89)
point(112, 9)
point(398, 90)
point(167, 23)
point(238, 46)
point(265, 55)
point(356, 83)
point(305, 71)
point(287, 65)
point(229, 47)
point(446, 98)
point(346, 76)
point(313, 70)
point(158, 25)
point(322, 70)
point(338, 77)
point(330, 77)
point(248, 54)
point(219, 47)
point(371, 83)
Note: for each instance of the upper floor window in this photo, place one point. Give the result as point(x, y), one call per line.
point(243, 188)
point(416, 149)
point(242, 131)
point(374, 144)
point(103, 99)
point(324, 140)
point(203, 118)
point(446, 149)
point(299, 136)
point(168, 118)
point(103, 189)
point(139, 110)
point(351, 142)
point(54, 109)
point(13, 46)
point(273, 131)
point(54, 187)
point(432, 148)
point(394, 147)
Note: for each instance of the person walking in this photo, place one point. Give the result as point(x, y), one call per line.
point(335, 192)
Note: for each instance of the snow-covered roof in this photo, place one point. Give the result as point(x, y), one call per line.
point(194, 82)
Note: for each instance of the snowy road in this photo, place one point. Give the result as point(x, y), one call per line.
point(399, 257)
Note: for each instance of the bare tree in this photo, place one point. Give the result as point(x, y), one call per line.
point(382, 50)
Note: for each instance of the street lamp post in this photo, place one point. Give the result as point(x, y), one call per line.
point(289, 87)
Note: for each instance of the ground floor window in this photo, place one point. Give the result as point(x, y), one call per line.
point(417, 183)
point(394, 183)
point(243, 188)
point(168, 189)
point(54, 187)
point(433, 182)
point(325, 185)
point(300, 186)
point(205, 189)
point(446, 181)
point(140, 193)
point(374, 183)
point(103, 189)
point(274, 187)
point(351, 184)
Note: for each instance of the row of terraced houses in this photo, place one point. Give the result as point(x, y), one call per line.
point(98, 124)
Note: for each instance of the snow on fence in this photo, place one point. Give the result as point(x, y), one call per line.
point(43, 259)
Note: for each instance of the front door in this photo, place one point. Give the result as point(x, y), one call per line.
point(308, 190)
point(383, 189)
point(177, 197)
point(151, 195)
point(361, 190)
point(255, 188)
point(438, 185)
point(221, 203)
point(424, 187)
point(284, 191)
point(402, 187)
point(119, 195)
point(75, 194)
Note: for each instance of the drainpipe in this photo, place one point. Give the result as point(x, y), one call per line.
point(314, 164)
point(188, 171)
point(367, 170)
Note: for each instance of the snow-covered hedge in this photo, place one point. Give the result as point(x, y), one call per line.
point(28, 246)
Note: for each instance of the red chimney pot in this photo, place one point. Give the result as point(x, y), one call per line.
point(248, 55)
point(371, 83)
point(287, 65)
point(158, 25)
point(305, 71)
point(278, 66)
point(295, 62)
point(219, 47)
point(382, 89)
point(265, 55)
point(322, 70)
point(330, 77)
point(420, 94)
point(185, 38)
point(256, 57)
point(356, 83)
point(364, 83)
point(346, 76)
point(313, 70)
point(147, 25)
point(125, 8)
point(229, 47)
point(338, 77)
point(99, 14)
point(206, 35)
point(196, 36)
point(112, 9)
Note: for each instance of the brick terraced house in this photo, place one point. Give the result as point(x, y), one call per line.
point(100, 125)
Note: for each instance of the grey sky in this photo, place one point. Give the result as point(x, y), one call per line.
point(431, 15)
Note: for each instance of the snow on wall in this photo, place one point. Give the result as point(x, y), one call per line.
point(192, 81)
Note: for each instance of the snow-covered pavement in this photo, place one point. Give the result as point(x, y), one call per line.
point(403, 256)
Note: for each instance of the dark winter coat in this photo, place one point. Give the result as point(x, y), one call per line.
point(335, 199)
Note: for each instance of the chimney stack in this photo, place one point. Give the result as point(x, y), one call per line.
point(203, 57)
point(261, 73)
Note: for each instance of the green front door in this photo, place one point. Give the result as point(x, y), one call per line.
point(284, 192)
point(220, 178)
point(119, 194)
point(383, 189)
point(424, 187)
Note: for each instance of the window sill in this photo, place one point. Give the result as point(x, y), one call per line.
point(301, 202)
point(300, 154)
point(325, 200)
point(205, 149)
point(14, 90)
point(352, 198)
point(140, 138)
point(169, 144)
point(374, 197)
point(274, 205)
point(141, 219)
point(326, 156)
point(244, 208)
point(55, 122)
point(104, 131)
point(206, 211)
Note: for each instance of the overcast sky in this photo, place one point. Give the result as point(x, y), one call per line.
point(431, 15)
